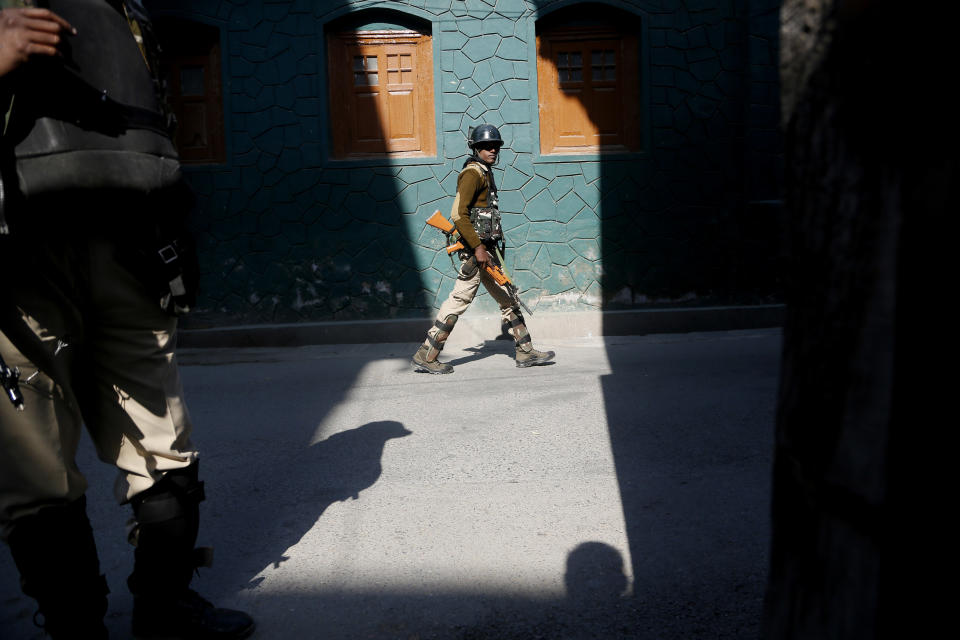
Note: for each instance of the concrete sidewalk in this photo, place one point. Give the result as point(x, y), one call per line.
point(621, 492)
point(543, 324)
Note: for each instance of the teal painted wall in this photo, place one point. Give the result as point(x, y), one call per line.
point(287, 234)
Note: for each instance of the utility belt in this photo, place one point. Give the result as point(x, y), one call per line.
point(486, 222)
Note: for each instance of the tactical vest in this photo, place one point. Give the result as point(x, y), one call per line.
point(91, 119)
point(486, 220)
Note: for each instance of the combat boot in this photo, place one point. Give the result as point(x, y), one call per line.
point(526, 356)
point(425, 359)
point(533, 357)
point(430, 366)
point(167, 520)
point(185, 615)
point(56, 555)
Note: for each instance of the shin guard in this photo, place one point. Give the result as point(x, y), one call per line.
point(438, 334)
point(518, 327)
point(167, 521)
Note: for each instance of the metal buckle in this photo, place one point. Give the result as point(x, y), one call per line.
point(168, 253)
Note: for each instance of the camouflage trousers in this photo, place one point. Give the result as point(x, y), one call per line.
point(464, 291)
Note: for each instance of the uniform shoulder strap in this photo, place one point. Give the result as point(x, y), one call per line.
point(476, 167)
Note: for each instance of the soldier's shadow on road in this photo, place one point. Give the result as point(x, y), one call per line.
point(488, 349)
point(501, 345)
point(332, 470)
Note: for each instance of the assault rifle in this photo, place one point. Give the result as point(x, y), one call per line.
point(495, 270)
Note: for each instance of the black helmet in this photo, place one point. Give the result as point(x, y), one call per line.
point(484, 133)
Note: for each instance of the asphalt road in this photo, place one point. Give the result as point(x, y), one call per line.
point(621, 492)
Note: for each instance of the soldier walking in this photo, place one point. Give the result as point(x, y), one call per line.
point(476, 215)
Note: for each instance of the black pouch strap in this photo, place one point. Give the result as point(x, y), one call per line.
point(168, 504)
point(516, 320)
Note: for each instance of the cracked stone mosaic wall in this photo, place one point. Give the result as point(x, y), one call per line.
point(286, 234)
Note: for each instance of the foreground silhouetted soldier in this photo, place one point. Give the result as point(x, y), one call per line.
point(93, 202)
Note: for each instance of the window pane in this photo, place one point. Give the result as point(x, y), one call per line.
point(603, 64)
point(361, 63)
point(570, 66)
point(365, 71)
point(366, 79)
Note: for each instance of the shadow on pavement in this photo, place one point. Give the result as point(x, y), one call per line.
point(488, 349)
point(691, 442)
point(333, 470)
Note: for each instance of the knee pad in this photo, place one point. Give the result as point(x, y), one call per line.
point(170, 508)
point(445, 327)
point(166, 523)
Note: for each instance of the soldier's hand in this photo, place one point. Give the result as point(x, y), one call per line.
point(29, 32)
point(482, 256)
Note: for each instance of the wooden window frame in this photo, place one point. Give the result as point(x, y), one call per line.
point(345, 94)
point(562, 114)
point(209, 105)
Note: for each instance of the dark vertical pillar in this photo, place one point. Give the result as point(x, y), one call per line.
point(858, 499)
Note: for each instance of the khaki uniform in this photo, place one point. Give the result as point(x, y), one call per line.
point(465, 290)
point(96, 257)
point(473, 191)
point(109, 363)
